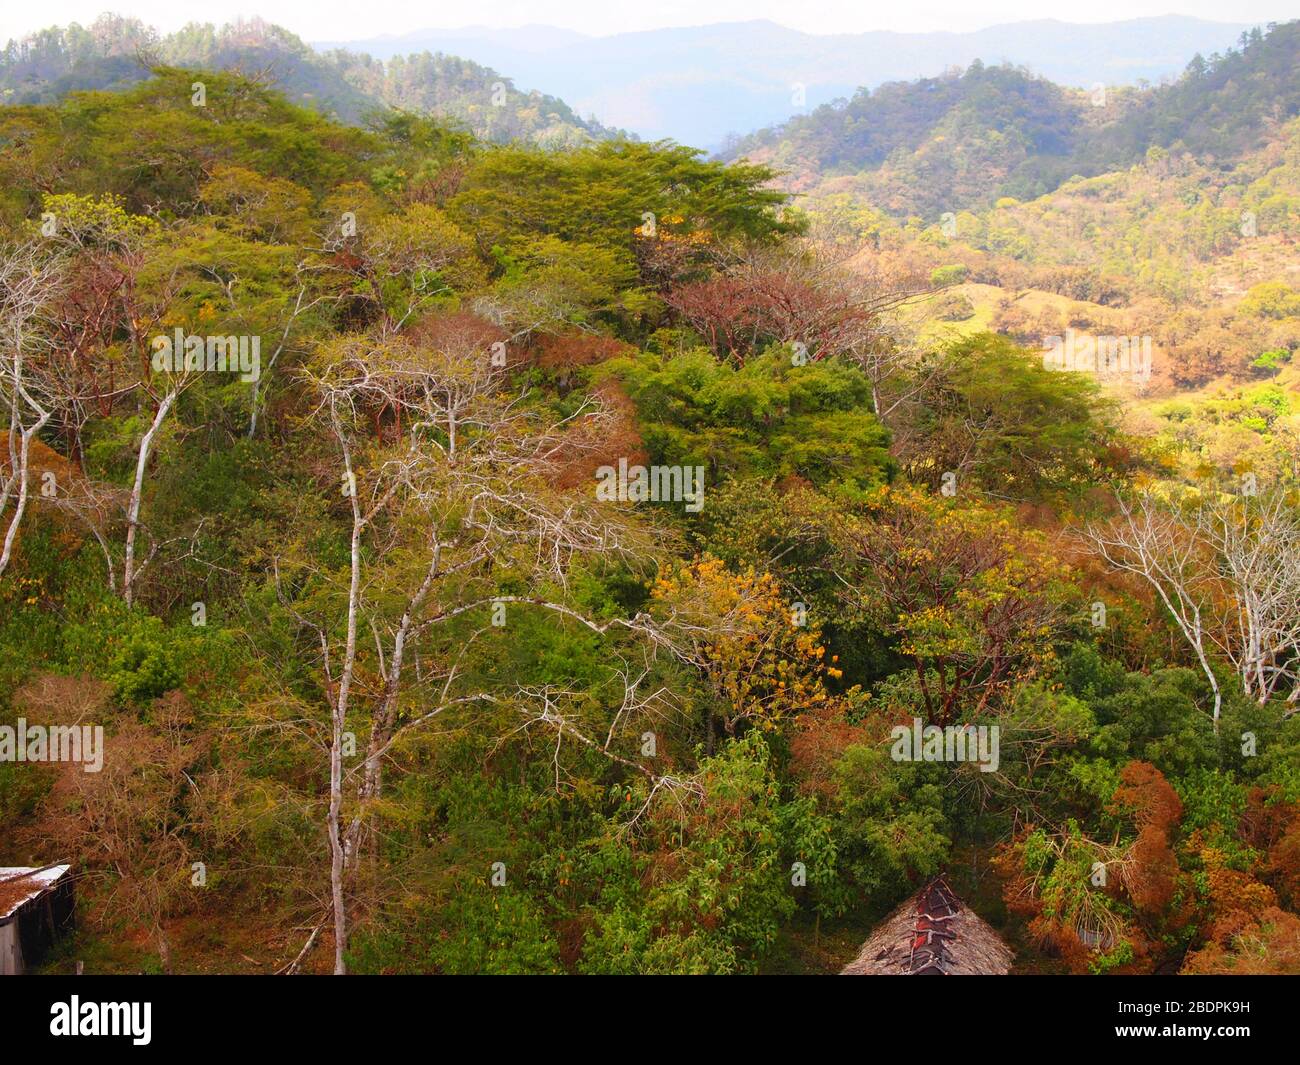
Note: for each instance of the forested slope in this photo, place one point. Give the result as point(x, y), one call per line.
point(115, 53)
point(489, 559)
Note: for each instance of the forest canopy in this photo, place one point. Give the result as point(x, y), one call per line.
point(306, 424)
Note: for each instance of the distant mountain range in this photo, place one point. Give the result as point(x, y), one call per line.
point(701, 84)
point(966, 139)
point(116, 52)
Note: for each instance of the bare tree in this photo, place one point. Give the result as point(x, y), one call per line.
point(1148, 539)
point(114, 515)
point(101, 507)
point(464, 489)
point(133, 824)
point(1256, 542)
point(30, 280)
point(117, 294)
point(834, 303)
point(173, 384)
point(1227, 570)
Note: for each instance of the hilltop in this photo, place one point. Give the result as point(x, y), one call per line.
point(114, 53)
point(702, 84)
point(971, 137)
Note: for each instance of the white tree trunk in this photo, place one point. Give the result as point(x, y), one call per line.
point(22, 474)
point(337, 855)
point(137, 490)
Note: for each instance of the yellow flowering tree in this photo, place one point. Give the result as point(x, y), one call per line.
point(764, 663)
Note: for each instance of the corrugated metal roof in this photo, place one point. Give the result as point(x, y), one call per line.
point(20, 884)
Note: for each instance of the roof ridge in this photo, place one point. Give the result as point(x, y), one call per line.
point(935, 904)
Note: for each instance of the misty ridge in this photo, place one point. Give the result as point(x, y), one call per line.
point(697, 85)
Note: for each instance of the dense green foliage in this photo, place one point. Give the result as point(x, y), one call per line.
point(361, 624)
point(115, 53)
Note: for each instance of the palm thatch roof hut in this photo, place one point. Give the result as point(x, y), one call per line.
point(933, 933)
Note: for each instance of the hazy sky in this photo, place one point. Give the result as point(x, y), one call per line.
point(351, 20)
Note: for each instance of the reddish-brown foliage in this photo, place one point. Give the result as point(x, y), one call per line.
point(570, 350)
point(1242, 945)
point(1274, 828)
point(820, 739)
point(1152, 878)
point(616, 437)
point(458, 332)
point(738, 314)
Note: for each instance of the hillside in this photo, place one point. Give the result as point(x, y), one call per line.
point(1171, 213)
point(114, 53)
point(966, 139)
point(1170, 224)
point(701, 85)
point(936, 144)
point(423, 553)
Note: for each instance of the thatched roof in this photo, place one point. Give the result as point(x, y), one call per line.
point(933, 933)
